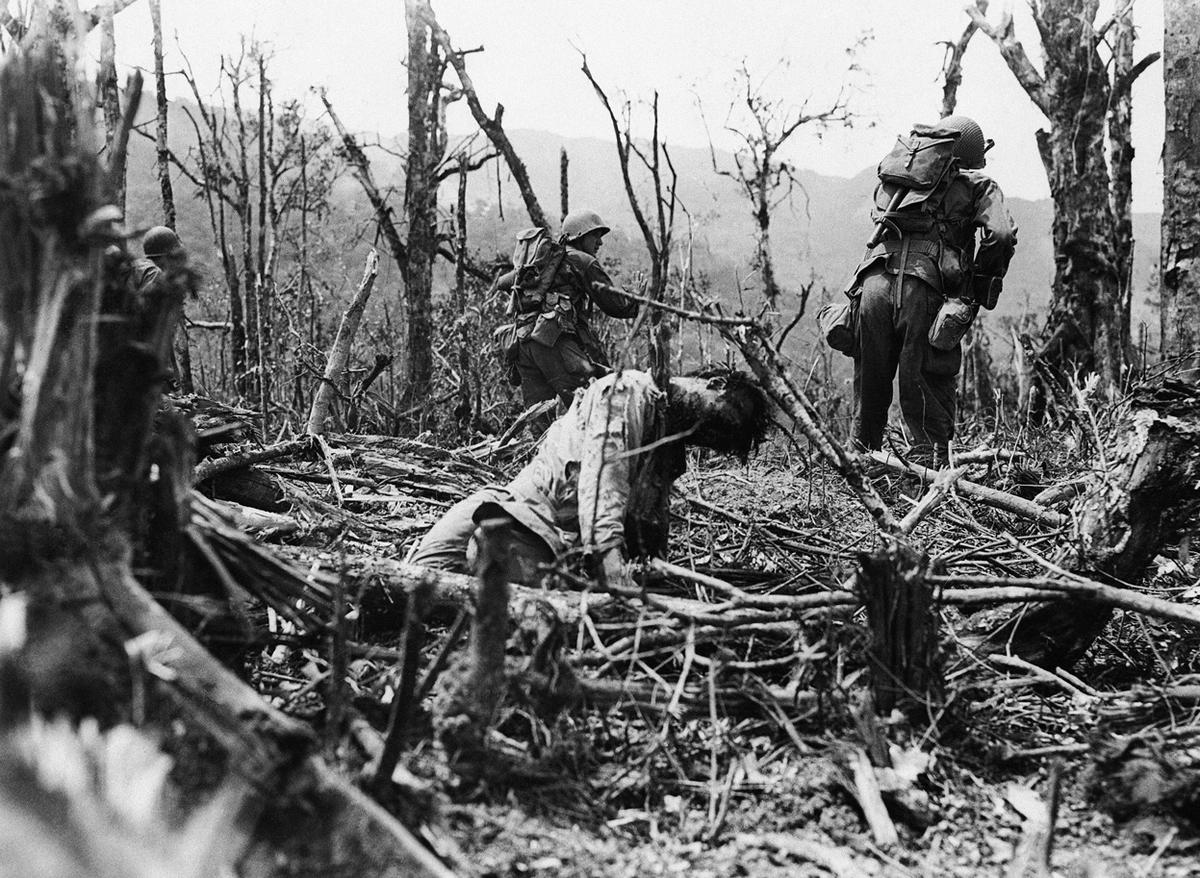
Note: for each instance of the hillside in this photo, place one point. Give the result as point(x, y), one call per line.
point(818, 237)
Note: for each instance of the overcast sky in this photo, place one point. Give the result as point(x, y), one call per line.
point(686, 49)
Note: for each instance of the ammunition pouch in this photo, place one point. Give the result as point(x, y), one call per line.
point(839, 325)
point(953, 320)
point(986, 289)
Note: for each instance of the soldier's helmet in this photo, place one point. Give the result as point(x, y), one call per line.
point(579, 222)
point(161, 241)
point(971, 144)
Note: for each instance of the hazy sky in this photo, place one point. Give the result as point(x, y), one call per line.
point(686, 49)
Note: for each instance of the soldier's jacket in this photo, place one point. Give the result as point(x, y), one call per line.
point(580, 281)
point(948, 254)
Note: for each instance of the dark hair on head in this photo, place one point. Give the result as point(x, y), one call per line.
point(746, 413)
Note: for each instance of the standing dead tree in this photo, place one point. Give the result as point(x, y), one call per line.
point(415, 251)
point(1180, 257)
point(246, 164)
point(1088, 327)
point(764, 125)
point(975, 380)
point(492, 126)
point(658, 232)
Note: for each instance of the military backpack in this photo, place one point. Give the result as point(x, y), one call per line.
point(913, 179)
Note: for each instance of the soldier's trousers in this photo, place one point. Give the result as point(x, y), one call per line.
point(450, 544)
point(894, 336)
point(547, 372)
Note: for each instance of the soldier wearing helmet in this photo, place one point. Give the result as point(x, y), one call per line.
point(557, 350)
point(936, 261)
point(164, 257)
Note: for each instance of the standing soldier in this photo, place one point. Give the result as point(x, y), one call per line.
point(165, 258)
point(557, 351)
point(923, 281)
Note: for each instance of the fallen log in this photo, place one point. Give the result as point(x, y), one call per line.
point(206, 469)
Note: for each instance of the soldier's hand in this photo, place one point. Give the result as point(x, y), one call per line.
point(616, 574)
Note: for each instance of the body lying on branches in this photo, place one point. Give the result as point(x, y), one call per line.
point(600, 481)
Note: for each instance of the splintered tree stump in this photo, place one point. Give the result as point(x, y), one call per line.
point(901, 613)
point(472, 693)
point(1149, 491)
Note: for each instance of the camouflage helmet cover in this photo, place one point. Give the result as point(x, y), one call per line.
point(579, 222)
point(161, 241)
point(971, 144)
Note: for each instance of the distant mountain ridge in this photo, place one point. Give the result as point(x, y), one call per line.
point(818, 238)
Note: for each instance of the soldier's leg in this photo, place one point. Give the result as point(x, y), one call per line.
point(527, 555)
point(928, 377)
point(444, 546)
point(875, 364)
point(564, 367)
point(534, 386)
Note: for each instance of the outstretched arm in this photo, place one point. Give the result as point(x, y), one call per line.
point(610, 298)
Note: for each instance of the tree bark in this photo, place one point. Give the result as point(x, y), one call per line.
point(1180, 257)
point(110, 100)
point(904, 637)
point(1088, 326)
point(425, 121)
point(160, 138)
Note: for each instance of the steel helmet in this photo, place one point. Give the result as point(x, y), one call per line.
point(579, 222)
point(971, 145)
point(161, 241)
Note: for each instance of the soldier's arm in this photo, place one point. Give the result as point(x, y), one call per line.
point(998, 232)
point(614, 422)
point(504, 282)
point(610, 298)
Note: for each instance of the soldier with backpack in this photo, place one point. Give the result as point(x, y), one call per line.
point(553, 286)
point(942, 245)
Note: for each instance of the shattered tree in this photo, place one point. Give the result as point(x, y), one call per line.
point(1180, 256)
point(1088, 325)
point(88, 354)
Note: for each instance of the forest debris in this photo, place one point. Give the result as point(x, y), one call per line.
point(824, 853)
point(256, 521)
point(999, 499)
point(206, 469)
point(865, 787)
point(987, 455)
point(1031, 859)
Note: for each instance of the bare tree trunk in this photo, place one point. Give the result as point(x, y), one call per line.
point(1180, 282)
point(183, 352)
point(110, 98)
point(1120, 146)
point(491, 126)
point(263, 275)
point(1088, 327)
point(420, 199)
point(339, 354)
point(160, 87)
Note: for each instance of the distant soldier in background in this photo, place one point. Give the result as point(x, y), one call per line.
point(923, 280)
point(164, 256)
point(554, 350)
